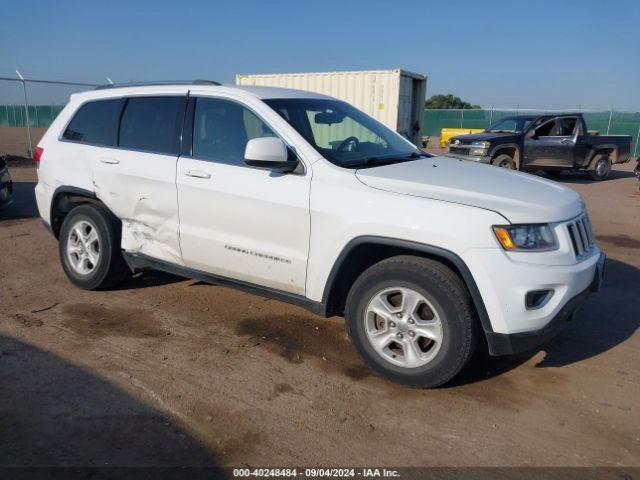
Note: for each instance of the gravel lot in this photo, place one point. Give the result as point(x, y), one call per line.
point(168, 371)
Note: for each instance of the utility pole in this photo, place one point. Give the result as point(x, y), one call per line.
point(26, 111)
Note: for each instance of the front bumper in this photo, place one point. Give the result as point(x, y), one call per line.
point(470, 158)
point(508, 344)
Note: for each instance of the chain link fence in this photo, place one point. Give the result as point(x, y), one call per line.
point(39, 115)
point(27, 107)
point(601, 121)
point(35, 103)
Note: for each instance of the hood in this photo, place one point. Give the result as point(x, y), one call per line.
point(482, 137)
point(519, 197)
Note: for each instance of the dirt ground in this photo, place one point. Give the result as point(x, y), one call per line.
point(168, 371)
point(15, 141)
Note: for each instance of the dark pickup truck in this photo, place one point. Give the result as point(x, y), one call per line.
point(552, 143)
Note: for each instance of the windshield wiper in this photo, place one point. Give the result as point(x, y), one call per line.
point(375, 161)
point(418, 155)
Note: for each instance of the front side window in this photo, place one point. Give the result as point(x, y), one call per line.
point(222, 128)
point(546, 128)
point(510, 125)
point(152, 124)
point(95, 123)
point(343, 134)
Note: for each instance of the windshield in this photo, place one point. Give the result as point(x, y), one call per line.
point(510, 125)
point(343, 134)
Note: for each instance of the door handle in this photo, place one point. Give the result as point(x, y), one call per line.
point(566, 141)
point(197, 174)
point(110, 161)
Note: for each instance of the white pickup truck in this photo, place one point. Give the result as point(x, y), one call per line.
point(303, 198)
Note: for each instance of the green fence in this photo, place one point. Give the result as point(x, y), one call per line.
point(39, 115)
point(613, 123)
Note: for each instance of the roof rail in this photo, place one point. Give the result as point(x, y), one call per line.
point(158, 82)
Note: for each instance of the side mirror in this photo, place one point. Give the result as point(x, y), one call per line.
point(269, 153)
point(532, 135)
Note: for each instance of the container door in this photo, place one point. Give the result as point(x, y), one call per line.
point(410, 108)
point(419, 87)
point(405, 103)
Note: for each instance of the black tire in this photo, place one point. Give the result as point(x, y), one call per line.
point(444, 290)
point(504, 161)
point(600, 167)
point(110, 268)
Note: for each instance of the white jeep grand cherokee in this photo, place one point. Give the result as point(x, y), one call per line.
point(303, 198)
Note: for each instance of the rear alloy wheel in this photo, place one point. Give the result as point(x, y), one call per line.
point(412, 321)
point(601, 168)
point(83, 247)
point(504, 161)
point(89, 244)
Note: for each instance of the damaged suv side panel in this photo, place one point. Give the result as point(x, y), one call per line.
point(147, 205)
point(130, 153)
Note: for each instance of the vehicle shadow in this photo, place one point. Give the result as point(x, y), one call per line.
point(23, 204)
point(57, 414)
point(606, 320)
point(148, 278)
point(581, 177)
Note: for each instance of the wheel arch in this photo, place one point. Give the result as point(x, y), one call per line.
point(365, 251)
point(511, 149)
point(608, 149)
point(64, 199)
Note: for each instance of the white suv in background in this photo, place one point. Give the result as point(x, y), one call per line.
point(303, 198)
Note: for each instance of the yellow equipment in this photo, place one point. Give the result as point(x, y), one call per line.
point(447, 133)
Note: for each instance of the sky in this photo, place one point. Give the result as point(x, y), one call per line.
point(535, 54)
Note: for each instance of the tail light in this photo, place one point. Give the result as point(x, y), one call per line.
point(37, 155)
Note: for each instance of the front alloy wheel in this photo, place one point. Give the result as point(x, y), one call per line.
point(403, 327)
point(411, 319)
point(504, 161)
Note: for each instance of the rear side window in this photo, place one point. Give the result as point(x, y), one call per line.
point(96, 123)
point(152, 124)
point(567, 126)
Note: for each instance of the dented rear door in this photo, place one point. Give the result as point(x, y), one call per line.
point(136, 180)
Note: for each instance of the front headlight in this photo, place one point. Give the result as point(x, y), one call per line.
point(479, 148)
point(530, 238)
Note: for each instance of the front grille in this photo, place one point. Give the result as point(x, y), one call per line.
point(581, 235)
point(461, 150)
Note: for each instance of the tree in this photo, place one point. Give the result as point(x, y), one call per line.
point(440, 102)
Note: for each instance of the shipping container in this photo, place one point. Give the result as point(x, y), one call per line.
point(393, 97)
